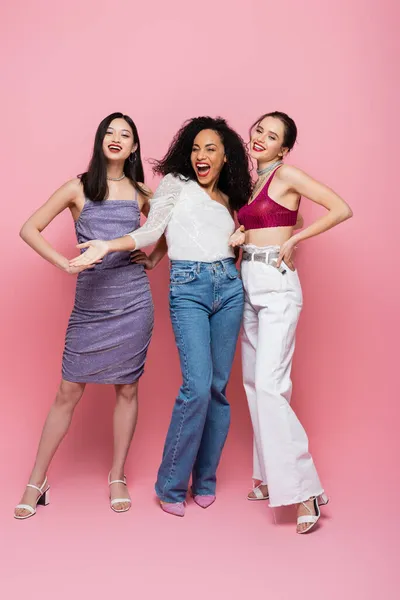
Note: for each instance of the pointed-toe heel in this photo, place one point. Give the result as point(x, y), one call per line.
point(204, 501)
point(173, 508)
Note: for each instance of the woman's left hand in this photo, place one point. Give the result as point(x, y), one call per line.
point(286, 253)
point(96, 250)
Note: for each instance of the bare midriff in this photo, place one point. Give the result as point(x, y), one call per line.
point(269, 236)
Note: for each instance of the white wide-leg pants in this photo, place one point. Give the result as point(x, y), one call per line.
point(273, 303)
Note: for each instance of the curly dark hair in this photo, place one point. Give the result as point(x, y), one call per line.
point(234, 179)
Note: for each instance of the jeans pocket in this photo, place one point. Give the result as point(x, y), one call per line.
point(182, 276)
point(231, 271)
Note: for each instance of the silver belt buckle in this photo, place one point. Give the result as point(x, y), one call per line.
point(273, 259)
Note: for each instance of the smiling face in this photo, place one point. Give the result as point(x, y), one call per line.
point(118, 143)
point(208, 156)
point(267, 139)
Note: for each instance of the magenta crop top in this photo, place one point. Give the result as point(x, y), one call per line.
point(264, 212)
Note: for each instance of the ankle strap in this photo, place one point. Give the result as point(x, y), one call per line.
point(35, 487)
point(117, 481)
point(313, 498)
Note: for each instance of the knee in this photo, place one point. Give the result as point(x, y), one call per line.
point(219, 385)
point(198, 390)
point(203, 391)
point(127, 394)
point(68, 394)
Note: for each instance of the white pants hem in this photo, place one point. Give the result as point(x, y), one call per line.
point(298, 500)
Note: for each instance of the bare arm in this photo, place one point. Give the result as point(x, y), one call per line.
point(31, 232)
point(304, 185)
point(146, 197)
point(150, 262)
point(159, 251)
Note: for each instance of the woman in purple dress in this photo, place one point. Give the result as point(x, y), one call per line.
point(111, 323)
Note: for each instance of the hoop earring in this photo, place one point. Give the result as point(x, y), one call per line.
point(132, 157)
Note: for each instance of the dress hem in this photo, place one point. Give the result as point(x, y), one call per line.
point(107, 382)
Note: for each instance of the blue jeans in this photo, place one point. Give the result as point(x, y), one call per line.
point(206, 307)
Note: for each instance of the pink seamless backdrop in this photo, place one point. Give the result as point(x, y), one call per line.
point(330, 65)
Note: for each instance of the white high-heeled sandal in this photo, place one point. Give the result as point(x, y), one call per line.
point(43, 499)
point(258, 495)
point(318, 501)
point(119, 500)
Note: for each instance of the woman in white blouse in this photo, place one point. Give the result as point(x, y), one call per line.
point(206, 178)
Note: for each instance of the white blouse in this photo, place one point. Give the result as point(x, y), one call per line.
point(196, 227)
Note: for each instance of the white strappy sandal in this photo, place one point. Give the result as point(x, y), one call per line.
point(43, 499)
point(311, 519)
point(258, 494)
point(119, 500)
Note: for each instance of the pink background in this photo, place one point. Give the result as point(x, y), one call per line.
point(330, 65)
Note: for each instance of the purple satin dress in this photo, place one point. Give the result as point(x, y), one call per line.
point(110, 327)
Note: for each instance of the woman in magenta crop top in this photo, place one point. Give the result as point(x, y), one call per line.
point(283, 469)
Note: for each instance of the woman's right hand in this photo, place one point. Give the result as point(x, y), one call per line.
point(238, 238)
point(140, 258)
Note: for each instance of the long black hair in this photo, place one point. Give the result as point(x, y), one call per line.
point(95, 179)
point(290, 135)
point(234, 179)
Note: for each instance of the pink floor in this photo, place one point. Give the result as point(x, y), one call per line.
point(78, 548)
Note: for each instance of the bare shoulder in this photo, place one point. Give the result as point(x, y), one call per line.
point(73, 185)
point(146, 192)
point(295, 178)
point(73, 189)
point(290, 174)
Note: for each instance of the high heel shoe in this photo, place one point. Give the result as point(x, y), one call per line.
point(173, 508)
point(258, 494)
point(118, 500)
point(204, 501)
point(311, 519)
point(322, 499)
point(43, 499)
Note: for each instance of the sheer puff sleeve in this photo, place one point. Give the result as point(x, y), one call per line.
point(161, 208)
